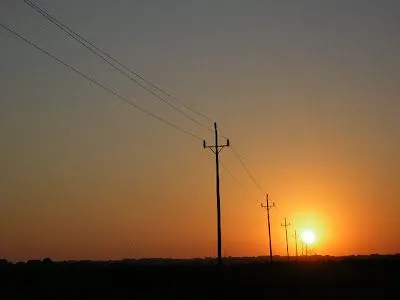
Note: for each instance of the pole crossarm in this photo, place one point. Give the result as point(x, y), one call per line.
point(212, 147)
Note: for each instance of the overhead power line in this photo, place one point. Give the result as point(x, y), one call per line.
point(238, 182)
point(114, 63)
point(110, 91)
point(140, 79)
point(247, 170)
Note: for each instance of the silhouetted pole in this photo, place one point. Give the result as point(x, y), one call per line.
point(267, 206)
point(295, 240)
point(216, 149)
point(286, 225)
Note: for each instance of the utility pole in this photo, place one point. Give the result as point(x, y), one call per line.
point(286, 225)
point(267, 206)
point(216, 149)
point(295, 240)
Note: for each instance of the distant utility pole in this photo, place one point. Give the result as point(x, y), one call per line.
point(216, 149)
point(286, 225)
point(295, 241)
point(267, 206)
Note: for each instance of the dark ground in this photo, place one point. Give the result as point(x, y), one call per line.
point(367, 278)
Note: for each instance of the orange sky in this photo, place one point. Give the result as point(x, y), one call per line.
point(307, 93)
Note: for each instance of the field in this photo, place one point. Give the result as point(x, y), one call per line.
point(347, 278)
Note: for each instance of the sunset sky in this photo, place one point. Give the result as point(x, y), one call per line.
point(308, 93)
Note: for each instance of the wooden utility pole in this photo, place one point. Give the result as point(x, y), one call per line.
point(216, 149)
point(295, 240)
point(286, 225)
point(267, 206)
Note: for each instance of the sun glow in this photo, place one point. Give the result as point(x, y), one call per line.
point(308, 237)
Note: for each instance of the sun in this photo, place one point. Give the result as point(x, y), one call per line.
point(308, 237)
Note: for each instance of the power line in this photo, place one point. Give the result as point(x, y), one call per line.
point(223, 165)
point(94, 49)
point(59, 60)
point(237, 181)
point(247, 170)
point(105, 56)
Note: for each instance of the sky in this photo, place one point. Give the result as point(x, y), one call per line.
point(306, 91)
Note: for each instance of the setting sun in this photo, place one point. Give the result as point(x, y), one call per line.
point(308, 237)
